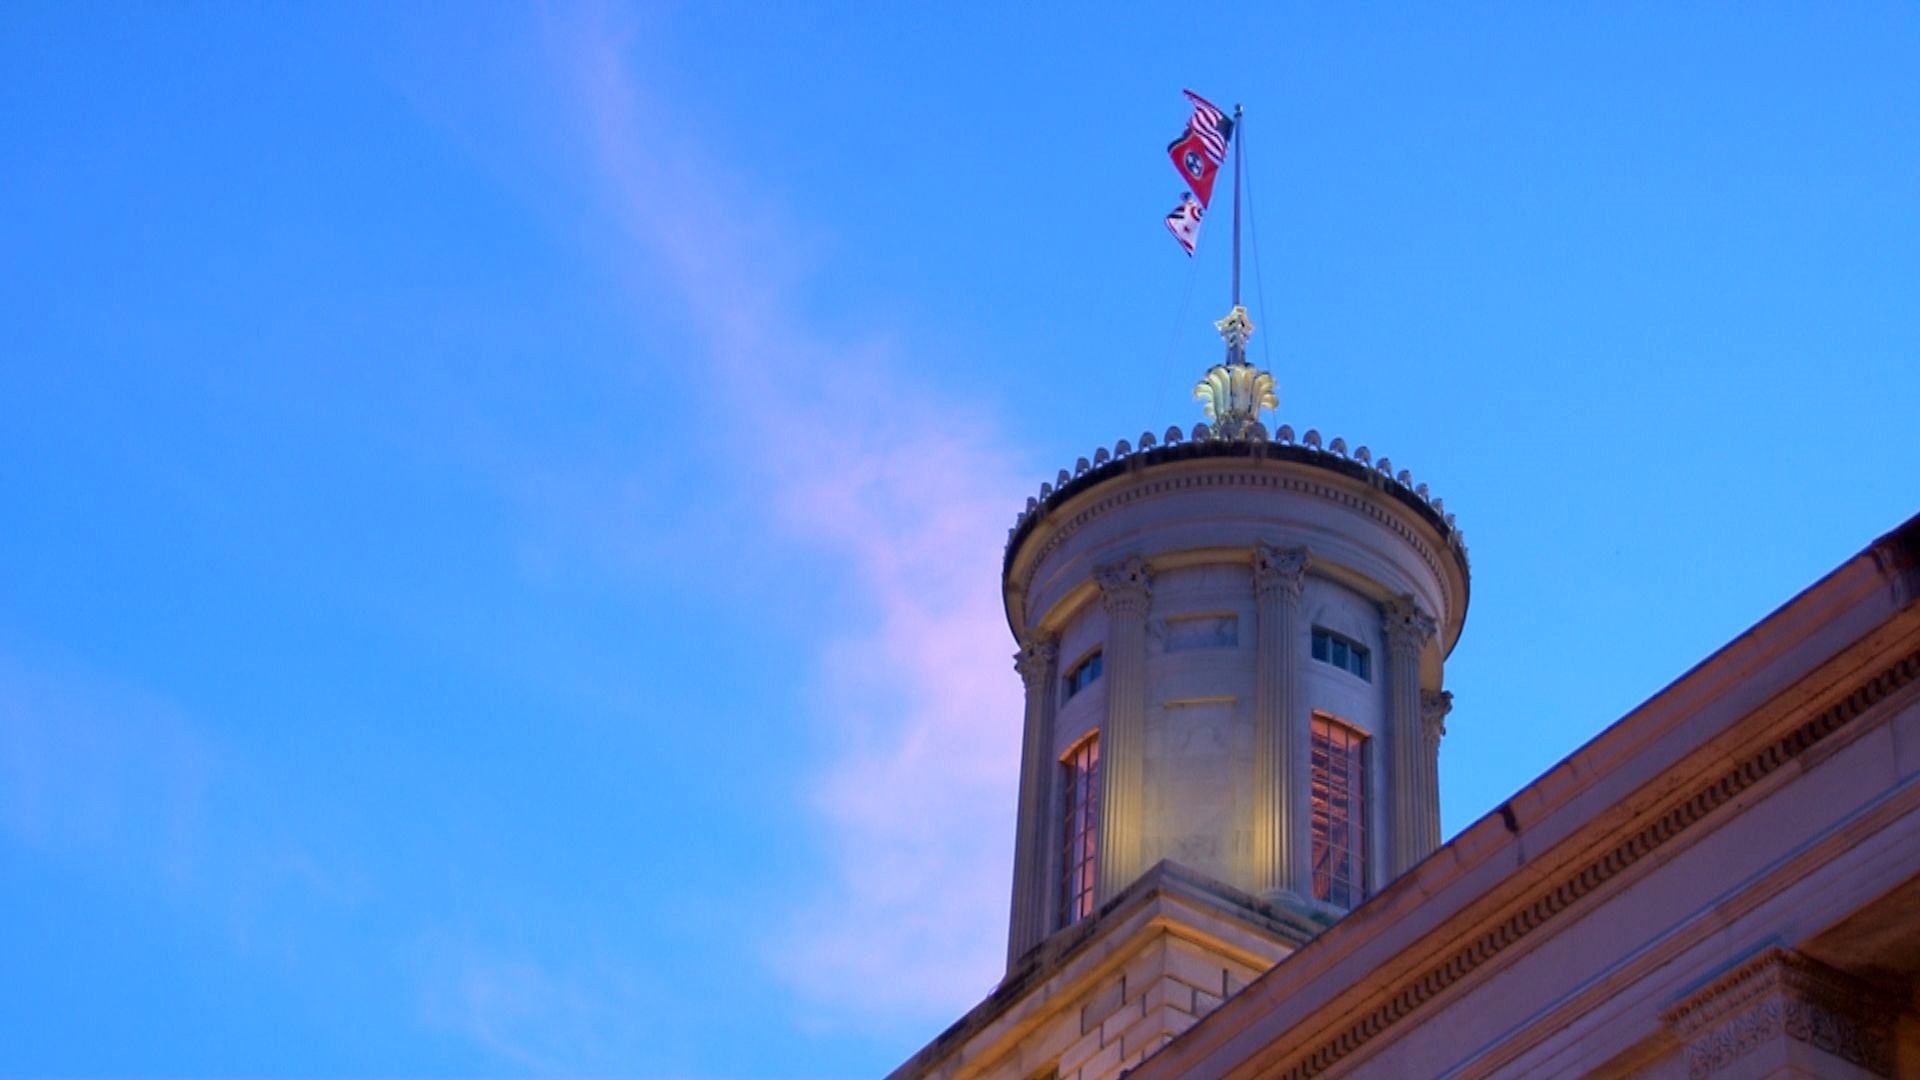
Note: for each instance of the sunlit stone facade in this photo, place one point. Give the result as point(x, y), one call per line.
point(1197, 572)
point(1228, 861)
point(1725, 883)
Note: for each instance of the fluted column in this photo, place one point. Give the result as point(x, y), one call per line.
point(1408, 631)
point(1038, 663)
point(1126, 591)
point(1434, 707)
point(1280, 789)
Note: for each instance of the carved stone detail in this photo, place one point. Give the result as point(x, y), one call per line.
point(1275, 567)
point(1125, 586)
point(1253, 479)
point(1784, 994)
point(1434, 707)
point(1408, 628)
point(1035, 659)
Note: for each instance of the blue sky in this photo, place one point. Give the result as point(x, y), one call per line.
point(500, 507)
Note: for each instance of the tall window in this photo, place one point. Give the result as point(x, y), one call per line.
point(1080, 779)
point(1339, 812)
point(1342, 652)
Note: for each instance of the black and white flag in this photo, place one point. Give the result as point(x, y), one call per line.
point(1184, 222)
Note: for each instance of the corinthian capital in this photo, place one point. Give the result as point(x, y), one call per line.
point(1408, 628)
point(1434, 707)
point(1125, 586)
point(1036, 658)
point(1279, 569)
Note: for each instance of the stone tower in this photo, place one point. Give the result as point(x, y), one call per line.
point(1232, 643)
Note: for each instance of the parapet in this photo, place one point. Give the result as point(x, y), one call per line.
point(1239, 441)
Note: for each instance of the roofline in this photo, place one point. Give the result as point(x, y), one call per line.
point(1253, 445)
point(1689, 732)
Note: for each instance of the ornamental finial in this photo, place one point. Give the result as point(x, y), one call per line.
point(1233, 394)
point(1236, 328)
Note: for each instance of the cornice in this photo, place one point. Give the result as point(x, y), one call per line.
point(1251, 441)
point(1249, 473)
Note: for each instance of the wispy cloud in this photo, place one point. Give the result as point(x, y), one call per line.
point(547, 1016)
point(888, 473)
point(95, 771)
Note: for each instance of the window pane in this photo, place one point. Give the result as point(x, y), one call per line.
point(1320, 645)
point(1080, 781)
point(1339, 811)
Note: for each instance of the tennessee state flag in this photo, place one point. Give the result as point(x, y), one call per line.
point(1196, 163)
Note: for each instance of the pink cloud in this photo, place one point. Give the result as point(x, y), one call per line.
point(887, 477)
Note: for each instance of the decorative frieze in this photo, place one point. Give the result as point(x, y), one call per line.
point(1251, 435)
point(1780, 994)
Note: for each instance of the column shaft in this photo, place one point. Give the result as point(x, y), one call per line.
point(1434, 707)
point(1125, 590)
point(1279, 782)
point(1408, 631)
point(1038, 664)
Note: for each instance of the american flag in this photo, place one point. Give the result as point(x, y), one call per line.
point(1211, 125)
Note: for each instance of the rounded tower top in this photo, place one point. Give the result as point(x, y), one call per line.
point(1257, 486)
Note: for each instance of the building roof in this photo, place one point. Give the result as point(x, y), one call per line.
point(1772, 703)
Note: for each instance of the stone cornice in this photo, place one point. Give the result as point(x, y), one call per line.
point(1252, 443)
point(1251, 476)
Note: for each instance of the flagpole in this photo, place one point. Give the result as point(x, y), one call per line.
point(1240, 134)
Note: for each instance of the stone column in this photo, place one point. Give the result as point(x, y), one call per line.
point(1126, 591)
point(1408, 631)
point(1280, 737)
point(1782, 1013)
point(1434, 707)
point(1038, 663)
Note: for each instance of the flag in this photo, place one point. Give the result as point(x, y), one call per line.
point(1184, 222)
point(1211, 124)
point(1197, 166)
point(1201, 149)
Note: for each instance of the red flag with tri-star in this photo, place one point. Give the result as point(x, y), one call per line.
point(1200, 150)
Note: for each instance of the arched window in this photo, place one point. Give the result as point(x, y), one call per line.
point(1339, 812)
point(1080, 780)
